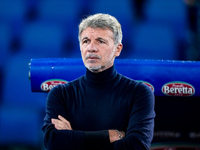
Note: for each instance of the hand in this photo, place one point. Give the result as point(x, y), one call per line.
point(61, 123)
point(114, 135)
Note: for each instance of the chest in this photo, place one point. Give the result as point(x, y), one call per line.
point(98, 109)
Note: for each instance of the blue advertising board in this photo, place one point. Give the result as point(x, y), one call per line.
point(164, 77)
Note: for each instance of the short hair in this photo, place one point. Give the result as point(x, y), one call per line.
point(102, 21)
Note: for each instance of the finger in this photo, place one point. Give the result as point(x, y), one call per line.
point(65, 121)
point(55, 121)
point(57, 127)
point(61, 125)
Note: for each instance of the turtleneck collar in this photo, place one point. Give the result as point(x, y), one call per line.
point(101, 78)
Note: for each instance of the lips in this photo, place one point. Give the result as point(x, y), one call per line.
point(92, 56)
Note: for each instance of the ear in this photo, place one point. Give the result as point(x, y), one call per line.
point(118, 50)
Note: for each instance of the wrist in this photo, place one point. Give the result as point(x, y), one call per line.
point(115, 135)
point(120, 135)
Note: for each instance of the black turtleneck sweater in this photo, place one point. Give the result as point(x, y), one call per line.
point(95, 103)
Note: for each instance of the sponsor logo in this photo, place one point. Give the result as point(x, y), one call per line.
point(49, 84)
point(148, 84)
point(178, 88)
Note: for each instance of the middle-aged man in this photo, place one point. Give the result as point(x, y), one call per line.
point(101, 110)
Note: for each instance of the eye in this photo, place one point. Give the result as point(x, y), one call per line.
point(101, 41)
point(85, 41)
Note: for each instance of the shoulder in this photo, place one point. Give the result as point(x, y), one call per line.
point(137, 87)
point(128, 81)
point(141, 95)
point(66, 87)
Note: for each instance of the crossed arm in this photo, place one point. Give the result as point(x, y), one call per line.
point(58, 132)
point(62, 124)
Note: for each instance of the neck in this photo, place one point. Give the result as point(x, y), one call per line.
point(100, 78)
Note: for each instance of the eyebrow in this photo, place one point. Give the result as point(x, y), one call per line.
point(85, 38)
point(98, 38)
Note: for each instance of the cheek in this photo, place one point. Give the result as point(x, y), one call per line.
point(82, 50)
point(82, 55)
point(108, 56)
point(83, 47)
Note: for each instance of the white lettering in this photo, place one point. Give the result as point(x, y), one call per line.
point(180, 90)
point(172, 90)
point(45, 86)
point(190, 91)
point(166, 89)
point(177, 90)
point(184, 90)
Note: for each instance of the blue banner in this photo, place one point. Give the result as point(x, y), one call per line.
point(164, 77)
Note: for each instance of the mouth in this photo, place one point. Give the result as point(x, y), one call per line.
point(92, 57)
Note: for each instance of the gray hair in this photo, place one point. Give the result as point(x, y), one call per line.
point(102, 21)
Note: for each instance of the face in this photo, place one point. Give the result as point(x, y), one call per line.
point(98, 50)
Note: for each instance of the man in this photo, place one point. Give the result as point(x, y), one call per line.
point(102, 109)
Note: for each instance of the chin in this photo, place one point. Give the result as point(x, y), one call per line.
point(94, 67)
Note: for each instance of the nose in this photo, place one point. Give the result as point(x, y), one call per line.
point(92, 48)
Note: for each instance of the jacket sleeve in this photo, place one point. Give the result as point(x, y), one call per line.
point(139, 132)
point(141, 122)
point(68, 139)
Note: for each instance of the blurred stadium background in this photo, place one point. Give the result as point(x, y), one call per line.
point(152, 29)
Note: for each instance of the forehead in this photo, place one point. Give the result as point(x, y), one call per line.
point(97, 32)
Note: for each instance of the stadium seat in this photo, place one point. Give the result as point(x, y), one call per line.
point(60, 11)
point(122, 10)
point(12, 10)
point(20, 126)
point(43, 39)
point(5, 41)
point(16, 91)
point(67, 14)
point(21, 111)
point(171, 13)
point(152, 41)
